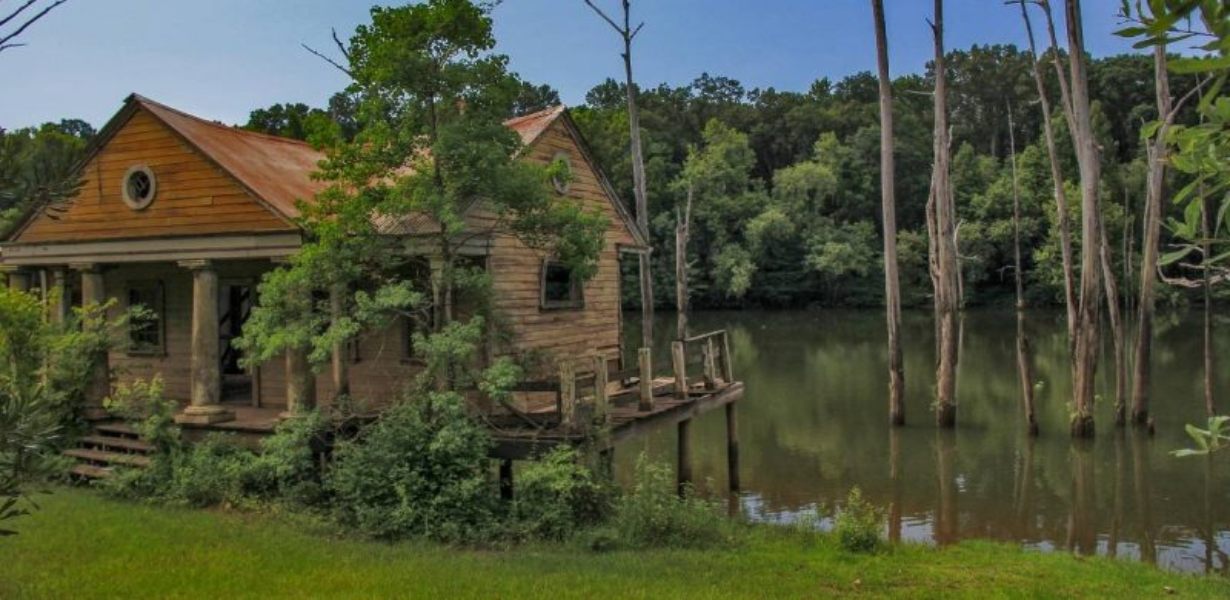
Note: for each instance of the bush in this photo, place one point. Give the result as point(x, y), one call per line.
point(286, 468)
point(419, 470)
point(210, 472)
point(857, 524)
point(654, 515)
point(557, 496)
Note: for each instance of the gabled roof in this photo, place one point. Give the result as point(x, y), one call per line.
point(278, 171)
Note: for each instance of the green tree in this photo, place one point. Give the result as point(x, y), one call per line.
point(36, 165)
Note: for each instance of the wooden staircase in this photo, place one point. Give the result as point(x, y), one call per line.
point(111, 444)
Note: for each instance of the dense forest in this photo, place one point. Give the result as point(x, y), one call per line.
point(789, 212)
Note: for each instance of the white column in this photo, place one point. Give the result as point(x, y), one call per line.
point(300, 383)
point(19, 279)
point(205, 404)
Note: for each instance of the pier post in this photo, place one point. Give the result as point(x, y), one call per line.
point(684, 470)
point(709, 352)
point(732, 447)
point(567, 395)
point(645, 362)
point(678, 361)
point(728, 370)
point(506, 479)
point(601, 401)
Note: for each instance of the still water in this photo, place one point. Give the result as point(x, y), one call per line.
point(814, 423)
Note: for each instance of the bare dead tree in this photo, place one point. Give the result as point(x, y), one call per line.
point(683, 222)
point(947, 293)
point(1024, 365)
point(1206, 232)
point(20, 20)
point(1061, 196)
point(892, 283)
point(628, 33)
point(1117, 329)
point(1157, 151)
point(1088, 317)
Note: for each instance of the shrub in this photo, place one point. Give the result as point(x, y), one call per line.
point(654, 515)
point(419, 470)
point(285, 468)
point(857, 524)
point(557, 496)
point(210, 472)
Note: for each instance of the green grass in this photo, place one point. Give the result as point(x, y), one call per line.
point(81, 545)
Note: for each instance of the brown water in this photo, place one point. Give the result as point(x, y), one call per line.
point(814, 424)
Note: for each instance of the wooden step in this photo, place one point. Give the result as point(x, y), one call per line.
point(117, 429)
point(102, 457)
point(116, 443)
point(85, 471)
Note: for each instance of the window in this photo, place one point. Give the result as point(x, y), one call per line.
point(146, 334)
point(139, 187)
point(561, 178)
point(560, 286)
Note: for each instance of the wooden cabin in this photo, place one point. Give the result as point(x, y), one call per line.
point(183, 216)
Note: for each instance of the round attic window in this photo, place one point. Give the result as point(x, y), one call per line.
point(139, 187)
point(561, 180)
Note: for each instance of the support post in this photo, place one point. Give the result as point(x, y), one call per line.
point(300, 383)
point(567, 395)
point(506, 480)
point(708, 354)
point(679, 362)
point(684, 470)
point(93, 293)
point(732, 448)
point(341, 370)
point(206, 381)
point(728, 369)
point(601, 401)
point(645, 362)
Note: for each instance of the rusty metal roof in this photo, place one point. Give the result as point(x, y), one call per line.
point(277, 169)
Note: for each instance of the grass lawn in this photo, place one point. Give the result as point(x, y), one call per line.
point(81, 545)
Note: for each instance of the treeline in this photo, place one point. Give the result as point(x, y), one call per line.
point(793, 217)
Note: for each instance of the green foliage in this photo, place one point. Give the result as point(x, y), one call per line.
point(858, 524)
point(421, 470)
point(653, 515)
point(1210, 440)
point(36, 166)
point(558, 496)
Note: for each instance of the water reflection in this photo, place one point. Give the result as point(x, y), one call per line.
point(813, 425)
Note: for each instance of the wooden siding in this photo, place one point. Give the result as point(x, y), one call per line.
point(516, 278)
point(194, 197)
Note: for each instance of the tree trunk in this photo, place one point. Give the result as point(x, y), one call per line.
point(1024, 366)
point(1116, 329)
point(1061, 196)
point(638, 182)
point(1206, 226)
point(947, 295)
point(892, 284)
point(1149, 250)
point(1088, 323)
point(681, 269)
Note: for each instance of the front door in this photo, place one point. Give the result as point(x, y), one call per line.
point(235, 304)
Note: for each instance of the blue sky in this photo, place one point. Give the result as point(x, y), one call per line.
point(222, 58)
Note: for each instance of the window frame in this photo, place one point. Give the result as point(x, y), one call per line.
point(576, 301)
point(157, 289)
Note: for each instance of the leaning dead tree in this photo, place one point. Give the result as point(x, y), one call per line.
point(1088, 315)
point(628, 33)
point(1061, 196)
point(19, 19)
point(683, 223)
point(1025, 370)
point(892, 283)
point(942, 226)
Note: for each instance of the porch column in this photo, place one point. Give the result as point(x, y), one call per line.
point(58, 299)
point(341, 367)
point(93, 292)
point(205, 405)
point(300, 383)
point(19, 279)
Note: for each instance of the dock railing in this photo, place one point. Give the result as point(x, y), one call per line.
point(716, 364)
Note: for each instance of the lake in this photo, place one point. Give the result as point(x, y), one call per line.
point(814, 424)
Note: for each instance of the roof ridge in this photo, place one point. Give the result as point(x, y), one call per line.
point(537, 114)
point(229, 128)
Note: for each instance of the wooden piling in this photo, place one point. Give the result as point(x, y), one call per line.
point(732, 448)
point(728, 370)
point(678, 361)
point(684, 469)
point(506, 480)
point(645, 362)
point(601, 402)
point(567, 395)
point(708, 354)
